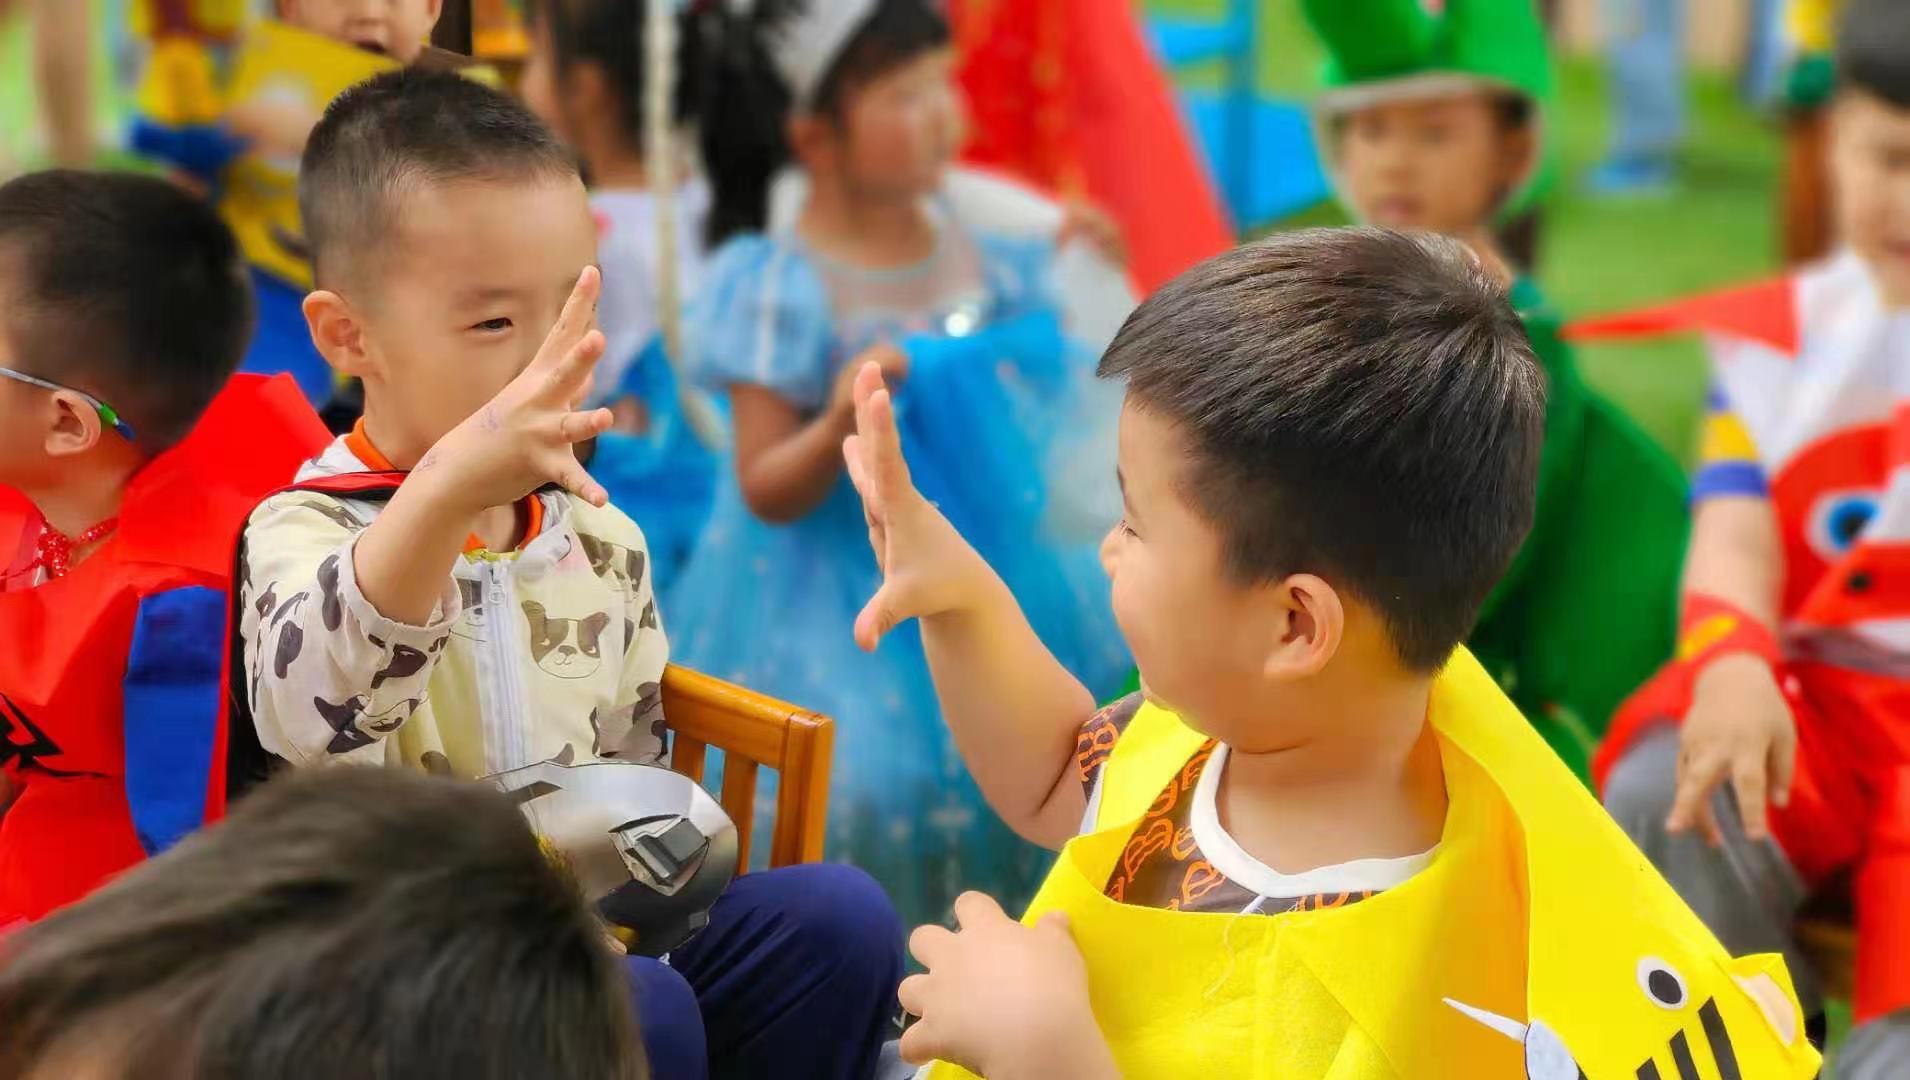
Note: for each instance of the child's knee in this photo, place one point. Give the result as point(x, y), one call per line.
point(1639, 791)
point(843, 915)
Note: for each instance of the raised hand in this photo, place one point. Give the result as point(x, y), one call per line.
point(927, 568)
point(523, 438)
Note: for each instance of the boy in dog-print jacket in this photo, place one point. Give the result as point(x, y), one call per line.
point(557, 644)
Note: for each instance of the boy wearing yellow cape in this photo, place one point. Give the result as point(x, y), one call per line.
point(1321, 842)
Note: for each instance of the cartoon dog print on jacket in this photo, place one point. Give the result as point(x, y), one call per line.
point(353, 728)
point(566, 648)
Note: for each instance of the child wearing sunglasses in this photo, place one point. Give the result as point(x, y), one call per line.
point(127, 465)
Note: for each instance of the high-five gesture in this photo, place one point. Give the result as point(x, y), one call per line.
point(927, 568)
point(522, 439)
point(519, 441)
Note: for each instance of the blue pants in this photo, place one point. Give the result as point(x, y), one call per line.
point(1646, 51)
point(794, 978)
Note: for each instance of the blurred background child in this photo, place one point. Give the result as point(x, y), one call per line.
point(859, 92)
point(228, 102)
point(127, 464)
point(283, 944)
point(1439, 122)
point(586, 77)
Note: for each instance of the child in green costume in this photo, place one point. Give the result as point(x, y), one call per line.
point(1437, 120)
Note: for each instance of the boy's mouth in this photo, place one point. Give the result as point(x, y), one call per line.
point(1395, 210)
point(369, 46)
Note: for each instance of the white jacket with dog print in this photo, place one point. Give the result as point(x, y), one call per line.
point(551, 648)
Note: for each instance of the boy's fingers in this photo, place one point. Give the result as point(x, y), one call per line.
point(930, 944)
point(888, 468)
point(1747, 782)
point(566, 381)
point(852, 459)
point(574, 320)
point(1695, 782)
point(876, 620)
point(575, 479)
point(575, 427)
point(868, 380)
point(1783, 767)
point(921, 1044)
point(913, 994)
point(976, 909)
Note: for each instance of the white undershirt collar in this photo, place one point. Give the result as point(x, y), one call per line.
point(1233, 862)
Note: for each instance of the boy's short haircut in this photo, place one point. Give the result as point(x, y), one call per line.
point(126, 286)
point(399, 130)
point(342, 922)
point(1361, 404)
point(1873, 49)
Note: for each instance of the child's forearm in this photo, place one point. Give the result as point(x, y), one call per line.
point(1013, 710)
point(1737, 556)
point(404, 557)
point(786, 480)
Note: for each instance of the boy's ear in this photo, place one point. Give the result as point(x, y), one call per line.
point(811, 138)
point(1520, 149)
point(76, 426)
point(1311, 622)
point(436, 7)
point(338, 333)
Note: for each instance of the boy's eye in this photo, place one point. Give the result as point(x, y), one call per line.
point(1128, 530)
point(493, 326)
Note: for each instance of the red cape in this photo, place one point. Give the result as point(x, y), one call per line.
point(1066, 96)
point(112, 681)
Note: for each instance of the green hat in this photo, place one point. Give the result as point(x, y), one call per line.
point(1388, 50)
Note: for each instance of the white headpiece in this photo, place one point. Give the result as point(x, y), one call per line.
point(805, 47)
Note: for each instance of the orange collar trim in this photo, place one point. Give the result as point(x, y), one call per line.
point(362, 449)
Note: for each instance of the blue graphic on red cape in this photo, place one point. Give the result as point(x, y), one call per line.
point(112, 678)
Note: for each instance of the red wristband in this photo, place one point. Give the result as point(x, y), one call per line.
point(1712, 628)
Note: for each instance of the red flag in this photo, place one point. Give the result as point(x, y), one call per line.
point(1066, 95)
point(1765, 312)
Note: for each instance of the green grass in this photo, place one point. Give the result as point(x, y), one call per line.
point(1718, 228)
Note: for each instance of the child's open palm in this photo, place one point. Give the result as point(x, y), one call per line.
point(927, 568)
point(524, 437)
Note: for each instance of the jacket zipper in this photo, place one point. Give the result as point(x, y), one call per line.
point(504, 713)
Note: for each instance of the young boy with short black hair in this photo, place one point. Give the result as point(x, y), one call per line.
point(1437, 117)
point(1321, 842)
point(1791, 685)
point(284, 944)
point(490, 612)
point(127, 465)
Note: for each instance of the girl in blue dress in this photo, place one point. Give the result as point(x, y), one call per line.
point(878, 265)
point(586, 76)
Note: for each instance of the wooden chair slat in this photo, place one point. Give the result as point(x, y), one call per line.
point(754, 731)
point(739, 800)
point(687, 755)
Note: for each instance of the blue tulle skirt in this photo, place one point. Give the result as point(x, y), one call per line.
point(665, 478)
point(773, 607)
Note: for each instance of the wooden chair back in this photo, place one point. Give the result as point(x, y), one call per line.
point(754, 732)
